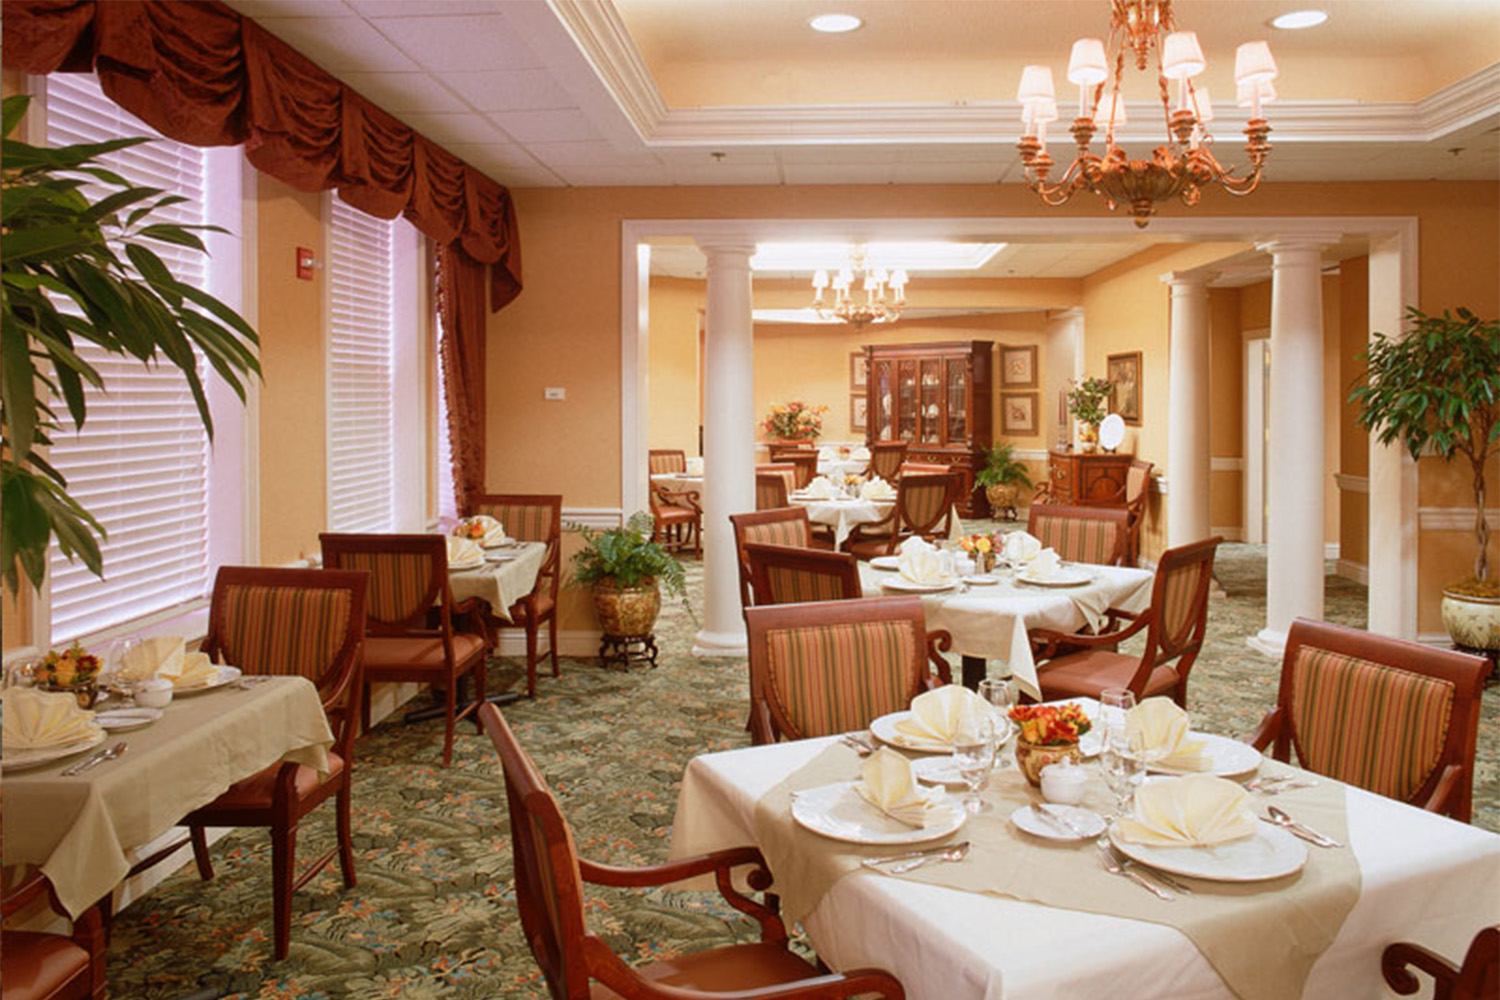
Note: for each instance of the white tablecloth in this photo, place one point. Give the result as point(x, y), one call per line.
point(1424, 878)
point(840, 467)
point(844, 515)
point(500, 584)
point(991, 622)
point(677, 482)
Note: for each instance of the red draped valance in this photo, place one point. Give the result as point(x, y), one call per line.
point(200, 73)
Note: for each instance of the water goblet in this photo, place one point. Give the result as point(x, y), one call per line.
point(121, 681)
point(1123, 769)
point(1000, 692)
point(23, 673)
point(974, 756)
point(1114, 705)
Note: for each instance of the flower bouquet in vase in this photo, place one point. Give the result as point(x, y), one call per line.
point(74, 670)
point(1048, 734)
point(980, 548)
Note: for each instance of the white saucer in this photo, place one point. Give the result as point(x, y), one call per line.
point(901, 583)
point(938, 771)
point(886, 562)
point(119, 720)
point(982, 580)
point(1089, 823)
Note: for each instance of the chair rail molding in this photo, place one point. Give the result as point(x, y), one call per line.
point(1226, 463)
point(1351, 483)
point(1454, 518)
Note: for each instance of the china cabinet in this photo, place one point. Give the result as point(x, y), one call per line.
point(936, 398)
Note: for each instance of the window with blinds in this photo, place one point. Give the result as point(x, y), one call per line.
point(140, 463)
point(361, 433)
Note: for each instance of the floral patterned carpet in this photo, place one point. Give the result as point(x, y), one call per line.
point(434, 915)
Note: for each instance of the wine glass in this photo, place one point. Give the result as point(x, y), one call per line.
point(121, 653)
point(1114, 705)
point(1000, 692)
point(974, 755)
point(1123, 768)
point(23, 673)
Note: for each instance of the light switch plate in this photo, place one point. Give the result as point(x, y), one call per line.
point(553, 392)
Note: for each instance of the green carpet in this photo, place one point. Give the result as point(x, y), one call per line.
point(434, 916)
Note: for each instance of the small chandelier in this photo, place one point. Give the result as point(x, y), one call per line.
point(876, 307)
point(1179, 169)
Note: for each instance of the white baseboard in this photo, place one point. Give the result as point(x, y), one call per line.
point(598, 518)
point(1231, 533)
point(1331, 550)
point(1349, 570)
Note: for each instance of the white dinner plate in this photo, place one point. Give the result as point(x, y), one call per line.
point(19, 760)
point(982, 580)
point(938, 771)
point(120, 720)
point(901, 583)
point(884, 729)
point(1069, 576)
point(466, 564)
point(838, 811)
point(1225, 757)
point(1270, 852)
point(1111, 432)
point(499, 557)
point(1090, 823)
point(886, 562)
point(509, 543)
point(227, 675)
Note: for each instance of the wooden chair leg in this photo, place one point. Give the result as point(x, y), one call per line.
point(530, 657)
point(451, 704)
point(283, 872)
point(480, 690)
point(345, 833)
point(364, 708)
point(200, 852)
point(552, 643)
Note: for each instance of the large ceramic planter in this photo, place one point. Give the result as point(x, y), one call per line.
point(627, 611)
point(1032, 757)
point(1472, 622)
point(1001, 496)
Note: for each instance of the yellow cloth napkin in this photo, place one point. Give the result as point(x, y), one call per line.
point(464, 553)
point(36, 720)
point(821, 488)
point(694, 466)
point(1194, 811)
point(1163, 731)
point(877, 489)
point(921, 563)
point(1042, 566)
point(191, 670)
point(886, 782)
point(152, 655)
point(938, 717)
point(1020, 547)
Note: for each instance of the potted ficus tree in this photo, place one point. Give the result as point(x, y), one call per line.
point(1002, 477)
point(625, 570)
point(1437, 391)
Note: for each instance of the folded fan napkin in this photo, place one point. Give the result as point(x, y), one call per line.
point(694, 466)
point(921, 563)
point(886, 782)
point(1163, 730)
point(938, 717)
point(821, 488)
point(1043, 566)
point(464, 552)
point(191, 671)
point(1020, 547)
point(877, 489)
point(36, 720)
point(494, 531)
point(1195, 811)
point(150, 656)
point(860, 454)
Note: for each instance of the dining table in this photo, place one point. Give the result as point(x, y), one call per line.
point(81, 829)
point(845, 513)
point(508, 573)
point(991, 620)
point(678, 482)
point(1023, 917)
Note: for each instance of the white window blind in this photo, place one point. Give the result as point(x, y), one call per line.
point(361, 434)
point(140, 462)
point(447, 490)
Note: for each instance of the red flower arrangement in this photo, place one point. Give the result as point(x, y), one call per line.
point(1051, 725)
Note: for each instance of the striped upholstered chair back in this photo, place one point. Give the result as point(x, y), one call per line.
point(924, 502)
point(820, 669)
point(1096, 535)
point(530, 517)
point(787, 526)
point(781, 574)
point(659, 460)
point(886, 458)
point(1393, 717)
point(408, 576)
point(774, 484)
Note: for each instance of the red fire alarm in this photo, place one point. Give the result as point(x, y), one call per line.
point(305, 263)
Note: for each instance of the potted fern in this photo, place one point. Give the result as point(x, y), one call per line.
point(625, 570)
point(1437, 391)
point(1002, 477)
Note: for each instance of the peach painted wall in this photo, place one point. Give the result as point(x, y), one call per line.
point(672, 380)
point(1226, 406)
point(1354, 441)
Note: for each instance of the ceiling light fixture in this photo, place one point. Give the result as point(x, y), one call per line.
point(1297, 19)
point(1179, 169)
point(875, 308)
point(834, 24)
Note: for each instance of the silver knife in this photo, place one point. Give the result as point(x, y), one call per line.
point(1058, 819)
point(97, 757)
point(873, 862)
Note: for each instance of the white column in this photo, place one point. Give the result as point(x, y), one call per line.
point(728, 440)
point(1188, 450)
point(1294, 542)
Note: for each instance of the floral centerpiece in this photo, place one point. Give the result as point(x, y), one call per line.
point(74, 670)
point(982, 548)
point(1049, 734)
point(469, 528)
point(1086, 401)
point(795, 421)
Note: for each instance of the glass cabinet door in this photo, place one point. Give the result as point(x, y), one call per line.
point(906, 401)
point(932, 394)
point(958, 408)
point(882, 421)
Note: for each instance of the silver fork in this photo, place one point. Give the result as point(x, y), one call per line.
point(1115, 868)
point(955, 853)
point(860, 745)
point(1160, 876)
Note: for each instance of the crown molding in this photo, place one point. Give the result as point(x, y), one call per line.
point(601, 36)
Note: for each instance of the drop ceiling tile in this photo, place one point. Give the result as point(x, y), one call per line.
point(493, 156)
point(724, 173)
point(340, 43)
point(455, 44)
point(509, 90)
point(851, 154)
point(453, 128)
point(530, 179)
point(595, 153)
point(291, 8)
point(378, 9)
point(700, 155)
point(838, 173)
point(398, 92)
point(946, 173)
point(568, 125)
point(590, 176)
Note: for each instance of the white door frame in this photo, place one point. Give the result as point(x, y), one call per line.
point(1257, 349)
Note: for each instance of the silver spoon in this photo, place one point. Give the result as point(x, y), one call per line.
point(956, 853)
point(1307, 833)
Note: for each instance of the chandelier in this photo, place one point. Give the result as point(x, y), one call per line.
point(1179, 169)
point(876, 307)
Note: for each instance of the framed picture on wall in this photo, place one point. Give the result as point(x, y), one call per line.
point(857, 380)
point(1018, 367)
point(1124, 374)
point(1018, 413)
point(857, 404)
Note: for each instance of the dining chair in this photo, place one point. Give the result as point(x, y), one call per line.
point(885, 460)
point(1132, 496)
point(677, 514)
point(773, 485)
point(665, 460)
point(1478, 978)
point(1393, 717)
point(778, 526)
point(835, 666)
point(1098, 535)
point(304, 623)
point(1069, 666)
point(923, 508)
point(783, 452)
point(580, 965)
point(38, 965)
point(531, 517)
point(924, 469)
point(782, 574)
point(804, 465)
point(411, 635)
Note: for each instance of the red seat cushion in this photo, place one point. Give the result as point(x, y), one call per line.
point(519, 613)
point(1089, 672)
point(737, 967)
point(869, 548)
point(417, 652)
point(256, 791)
point(670, 515)
point(35, 965)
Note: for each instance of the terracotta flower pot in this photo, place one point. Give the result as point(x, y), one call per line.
point(1032, 757)
point(627, 611)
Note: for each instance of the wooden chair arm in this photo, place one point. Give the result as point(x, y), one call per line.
point(1268, 730)
point(762, 729)
point(721, 863)
point(30, 884)
point(1395, 959)
point(1447, 784)
point(940, 642)
point(607, 967)
point(689, 498)
point(1047, 643)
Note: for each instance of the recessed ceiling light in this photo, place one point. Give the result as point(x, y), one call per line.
point(1299, 19)
point(834, 23)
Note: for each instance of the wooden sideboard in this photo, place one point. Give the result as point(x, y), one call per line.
point(1097, 479)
